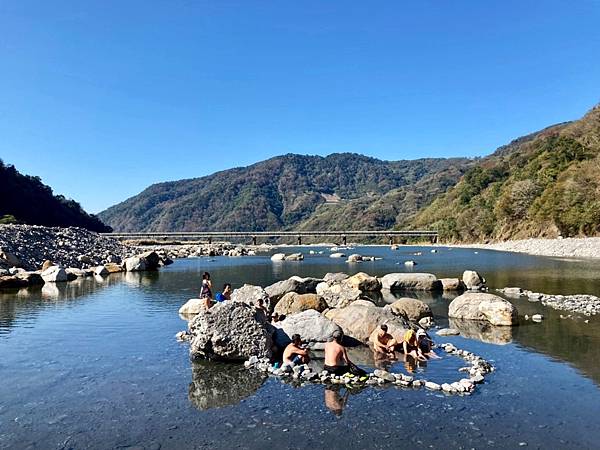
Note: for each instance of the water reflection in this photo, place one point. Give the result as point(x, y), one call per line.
point(335, 399)
point(215, 385)
point(482, 331)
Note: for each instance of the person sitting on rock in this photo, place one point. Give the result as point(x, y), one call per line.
point(425, 344)
point(336, 357)
point(295, 354)
point(261, 308)
point(225, 295)
point(410, 346)
point(206, 290)
point(384, 342)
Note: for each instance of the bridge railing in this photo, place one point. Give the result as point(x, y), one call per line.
point(390, 234)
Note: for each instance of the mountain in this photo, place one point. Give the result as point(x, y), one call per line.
point(546, 184)
point(340, 191)
point(26, 199)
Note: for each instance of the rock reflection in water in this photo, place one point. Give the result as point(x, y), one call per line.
point(482, 331)
point(215, 385)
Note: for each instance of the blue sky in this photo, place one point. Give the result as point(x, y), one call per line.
point(101, 99)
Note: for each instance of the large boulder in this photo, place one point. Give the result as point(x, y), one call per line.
point(101, 271)
point(338, 295)
point(152, 260)
point(47, 264)
point(230, 331)
point(193, 306)
point(335, 276)
point(452, 284)
point(364, 282)
point(354, 258)
point(250, 294)
point(411, 308)
point(472, 280)
point(483, 306)
point(292, 303)
point(135, 264)
point(294, 284)
point(75, 272)
point(54, 274)
point(360, 318)
point(310, 325)
point(411, 282)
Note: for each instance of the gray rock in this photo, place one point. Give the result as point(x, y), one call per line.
point(250, 294)
point(231, 331)
point(411, 308)
point(338, 295)
point(452, 284)
point(361, 318)
point(363, 282)
point(310, 325)
point(483, 306)
point(10, 259)
point(335, 277)
point(472, 280)
point(410, 282)
point(192, 306)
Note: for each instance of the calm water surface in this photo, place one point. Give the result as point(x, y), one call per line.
point(94, 364)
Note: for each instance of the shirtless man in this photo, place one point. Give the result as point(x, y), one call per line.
point(294, 354)
point(336, 357)
point(384, 342)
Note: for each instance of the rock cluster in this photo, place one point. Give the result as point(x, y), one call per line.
point(28, 246)
point(304, 374)
point(588, 305)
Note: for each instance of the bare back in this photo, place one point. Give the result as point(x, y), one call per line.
point(335, 354)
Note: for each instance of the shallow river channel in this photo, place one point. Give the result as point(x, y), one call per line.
point(95, 364)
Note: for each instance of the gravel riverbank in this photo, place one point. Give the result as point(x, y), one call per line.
point(563, 248)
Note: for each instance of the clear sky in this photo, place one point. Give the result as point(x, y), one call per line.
point(103, 98)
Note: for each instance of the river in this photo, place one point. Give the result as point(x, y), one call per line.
point(95, 364)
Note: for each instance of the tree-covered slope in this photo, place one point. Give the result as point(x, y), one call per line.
point(288, 192)
point(25, 199)
point(543, 185)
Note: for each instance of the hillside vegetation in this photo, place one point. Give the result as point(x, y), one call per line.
point(543, 185)
point(25, 199)
point(340, 191)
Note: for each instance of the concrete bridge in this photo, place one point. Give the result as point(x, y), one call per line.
point(402, 236)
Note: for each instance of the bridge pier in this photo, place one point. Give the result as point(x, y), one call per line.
point(209, 240)
point(390, 240)
point(253, 240)
point(299, 240)
point(344, 240)
point(434, 239)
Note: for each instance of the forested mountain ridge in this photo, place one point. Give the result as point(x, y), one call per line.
point(546, 184)
point(25, 199)
point(343, 191)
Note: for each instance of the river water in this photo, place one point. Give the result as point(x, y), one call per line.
point(94, 364)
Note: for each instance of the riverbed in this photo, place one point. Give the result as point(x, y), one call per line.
point(94, 364)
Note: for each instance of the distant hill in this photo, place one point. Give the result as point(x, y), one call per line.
point(542, 185)
point(25, 199)
point(340, 191)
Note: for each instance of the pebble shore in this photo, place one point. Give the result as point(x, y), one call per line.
point(588, 305)
point(588, 247)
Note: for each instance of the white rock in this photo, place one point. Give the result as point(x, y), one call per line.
point(278, 257)
point(54, 274)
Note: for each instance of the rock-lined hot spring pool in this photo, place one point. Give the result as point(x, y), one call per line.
point(95, 364)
